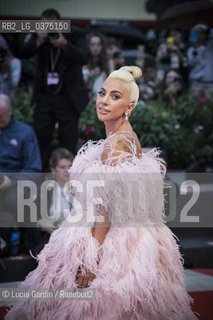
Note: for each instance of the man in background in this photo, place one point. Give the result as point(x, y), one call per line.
point(19, 154)
point(59, 93)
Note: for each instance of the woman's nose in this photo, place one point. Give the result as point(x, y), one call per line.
point(105, 99)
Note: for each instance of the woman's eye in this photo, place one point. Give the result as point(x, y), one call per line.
point(101, 93)
point(115, 96)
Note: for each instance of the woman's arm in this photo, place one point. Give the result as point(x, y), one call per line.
point(100, 229)
point(99, 232)
point(110, 156)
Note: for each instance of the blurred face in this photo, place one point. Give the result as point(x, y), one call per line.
point(170, 77)
point(60, 170)
point(5, 115)
point(113, 100)
point(177, 37)
point(149, 74)
point(95, 46)
point(119, 61)
point(201, 35)
point(111, 50)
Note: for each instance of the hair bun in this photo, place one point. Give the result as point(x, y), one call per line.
point(134, 70)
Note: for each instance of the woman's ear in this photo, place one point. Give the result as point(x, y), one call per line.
point(131, 106)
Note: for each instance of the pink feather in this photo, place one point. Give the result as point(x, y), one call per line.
point(140, 273)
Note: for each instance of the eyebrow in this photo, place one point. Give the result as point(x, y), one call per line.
point(113, 91)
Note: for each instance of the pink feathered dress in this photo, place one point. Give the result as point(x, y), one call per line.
point(140, 274)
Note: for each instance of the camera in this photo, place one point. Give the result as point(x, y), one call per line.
point(53, 35)
point(177, 78)
point(117, 55)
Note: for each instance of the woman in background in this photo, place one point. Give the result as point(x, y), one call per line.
point(96, 70)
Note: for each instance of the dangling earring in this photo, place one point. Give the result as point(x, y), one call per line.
point(126, 116)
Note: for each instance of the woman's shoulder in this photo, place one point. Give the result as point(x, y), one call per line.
point(125, 141)
point(120, 136)
point(117, 153)
point(120, 141)
point(119, 146)
point(124, 146)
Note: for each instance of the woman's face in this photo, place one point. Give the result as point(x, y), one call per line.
point(113, 100)
point(170, 77)
point(177, 37)
point(111, 49)
point(149, 74)
point(95, 46)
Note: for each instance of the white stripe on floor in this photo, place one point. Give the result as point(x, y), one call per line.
point(196, 281)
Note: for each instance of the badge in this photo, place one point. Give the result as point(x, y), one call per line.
point(52, 78)
point(13, 142)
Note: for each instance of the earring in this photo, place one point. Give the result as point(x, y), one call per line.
point(126, 116)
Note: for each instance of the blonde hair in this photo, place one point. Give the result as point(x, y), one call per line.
point(129, 74)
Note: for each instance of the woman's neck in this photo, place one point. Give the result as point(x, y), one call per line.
point(116, 126)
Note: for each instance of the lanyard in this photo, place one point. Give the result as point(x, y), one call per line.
point(52, 60)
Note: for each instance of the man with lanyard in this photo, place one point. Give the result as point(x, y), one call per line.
point(59, 90)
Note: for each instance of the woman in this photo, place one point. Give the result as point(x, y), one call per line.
point(119, 246)
point(95, 72)
point(173, 86)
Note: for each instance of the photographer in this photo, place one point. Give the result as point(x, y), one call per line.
point(173, 55)
point(200, 57)
point(173, 86)
point(59, 90)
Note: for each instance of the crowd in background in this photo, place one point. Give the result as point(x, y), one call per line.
point(173, 61)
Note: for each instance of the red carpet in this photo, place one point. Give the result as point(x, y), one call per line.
point(203, 300)
point(202, 304)
point(3, 311)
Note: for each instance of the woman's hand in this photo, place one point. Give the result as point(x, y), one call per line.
point(94, 73)
point(84, 281)
point(98, 232)
point(173, 88)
